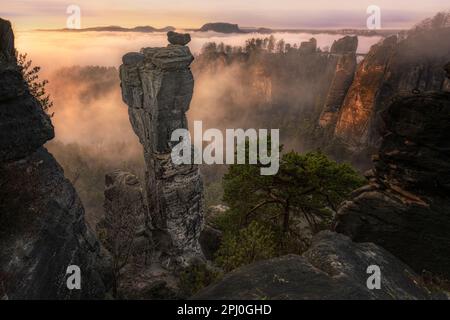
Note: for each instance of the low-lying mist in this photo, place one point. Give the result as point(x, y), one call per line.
point(93, 133)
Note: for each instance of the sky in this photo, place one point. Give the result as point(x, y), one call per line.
point(38, 14)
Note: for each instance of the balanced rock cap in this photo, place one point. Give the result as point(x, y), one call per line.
point(178, 38)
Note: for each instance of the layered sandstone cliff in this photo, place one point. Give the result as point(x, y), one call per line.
point(344, 50)
point(157, 85)
point(42, 227)
point(392, 68)
point(406, 206)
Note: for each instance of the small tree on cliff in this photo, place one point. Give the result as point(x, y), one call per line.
point(37, 88)
point(307, 186)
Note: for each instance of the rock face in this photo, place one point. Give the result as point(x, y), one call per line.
point(24, 127)
point(42, 228)
point(360, 100)
point(125, 208)
point(308, 47)
point(210, 240)
point(347, 44)
point(343, 77)
point(157, 86)
point(392, 68)
point(333, 268)
point(406, 206)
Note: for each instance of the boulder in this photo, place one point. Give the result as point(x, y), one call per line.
point(181, 39)
point(333, 268)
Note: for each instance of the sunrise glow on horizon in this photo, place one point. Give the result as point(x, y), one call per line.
point(42, 14)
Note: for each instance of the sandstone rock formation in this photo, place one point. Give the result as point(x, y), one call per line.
point(125, 216)
point(157, 86)
point(178, 38)
point(347, 44)
point(7, 53)
point(333, 268)
point(42, 228)
point(343, 76)
point(210, 241)
point(360, 100)
point(413, 64)
point(406, 206)
point(308, 47)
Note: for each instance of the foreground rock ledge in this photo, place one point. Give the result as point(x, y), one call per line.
point(333, 268)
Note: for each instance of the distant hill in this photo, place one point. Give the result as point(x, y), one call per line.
point(221, 27)
point(224, 27)
point(145, 29)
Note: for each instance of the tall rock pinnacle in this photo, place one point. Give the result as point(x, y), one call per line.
point(157, 85)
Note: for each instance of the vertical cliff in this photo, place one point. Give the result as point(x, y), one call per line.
point(392, 68)
point(360, 100)
point(157, 85)
point(406, 206)
point(42, 227)
point(344, 50)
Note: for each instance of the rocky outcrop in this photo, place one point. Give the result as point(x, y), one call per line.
point(343, 77)
point(157, 86)
point(42, 228)
point(7, 53)
point(356, 110)
point(333, 268)
point(347, 44)
point(308, 47)
point(210, 241)
point(125, 216)
point(406, 206)
point(390, 69)
point(178, 38)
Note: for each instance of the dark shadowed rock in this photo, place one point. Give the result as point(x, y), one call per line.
point(181, 39)
point(132, 58)
point(124, 199)
point(333, 268)
point(210, 240)
point(308, 47)
point(42, 232)
point(7, 53)
point(42, 227)
point(24, 126)
point(406, 206)
point(346, 44)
